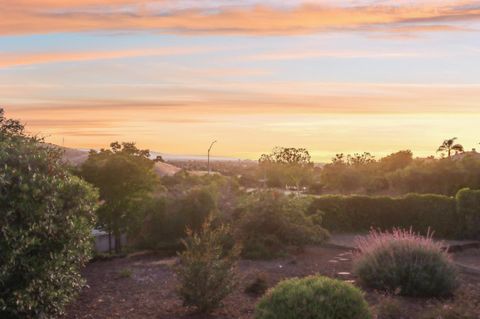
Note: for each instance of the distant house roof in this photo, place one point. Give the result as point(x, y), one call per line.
point(462, 155)
point(98, 232)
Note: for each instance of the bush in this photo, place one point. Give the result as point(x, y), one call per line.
point(46, 220)
point(405, 263)
point(313, 297)
point(468, 210)
point(270, 221)
point(166, 218)
point(206, 268)
point(361, 213)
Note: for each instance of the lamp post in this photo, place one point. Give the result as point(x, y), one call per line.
point(208, 158)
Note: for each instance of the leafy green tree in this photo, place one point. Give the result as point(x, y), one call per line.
point(268, 222)
point(449, 146)
point(286, 165)
point(46, 218)
point(125, 177)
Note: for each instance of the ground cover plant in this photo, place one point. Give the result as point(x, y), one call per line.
point(313, 297)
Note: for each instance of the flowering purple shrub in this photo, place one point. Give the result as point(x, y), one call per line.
point(405, 263)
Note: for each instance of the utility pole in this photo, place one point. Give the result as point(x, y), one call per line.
point(208, 158)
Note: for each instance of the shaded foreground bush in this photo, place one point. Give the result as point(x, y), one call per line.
point(46, 220)
point(166, 218)
point(313, 297)
point(269, 222)
point(361, 213)
point(405, 263)
point(206, 268)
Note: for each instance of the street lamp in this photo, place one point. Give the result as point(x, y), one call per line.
point(208, 160)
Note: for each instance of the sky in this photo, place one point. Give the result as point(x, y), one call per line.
point(331, 76)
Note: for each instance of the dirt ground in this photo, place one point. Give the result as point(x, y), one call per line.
point(143, 285)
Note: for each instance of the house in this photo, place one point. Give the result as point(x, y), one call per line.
point(472, 153)
point(102, 242)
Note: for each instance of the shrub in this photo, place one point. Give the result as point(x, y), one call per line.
point(192, 209)
point(313, 297)
point(405, 263)
point(270, 221)
point(360, 213)
point(166, 218)
point(468, 210)
point(258, 286)
point(206, 269)
point(46, 220)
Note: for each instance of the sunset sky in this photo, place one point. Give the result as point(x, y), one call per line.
point(332, 76)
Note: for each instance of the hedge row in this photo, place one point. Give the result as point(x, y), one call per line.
point(448, 217)
point(468, 210)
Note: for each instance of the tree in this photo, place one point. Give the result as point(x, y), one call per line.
point(124, 174)
point(46, 218)
point(206, 267)
point(287, 165)
point(394, 161)
point(449, 146)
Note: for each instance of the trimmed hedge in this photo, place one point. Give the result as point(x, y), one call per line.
point(361, 213)
point(468, 210)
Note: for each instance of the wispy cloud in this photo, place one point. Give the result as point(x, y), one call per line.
point(18, 59)
point(311, 54)
point(299, 17)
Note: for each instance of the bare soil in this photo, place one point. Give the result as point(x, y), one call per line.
point(143, 285)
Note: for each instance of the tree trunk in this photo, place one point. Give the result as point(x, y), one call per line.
point(118, 241)
point(109, 241)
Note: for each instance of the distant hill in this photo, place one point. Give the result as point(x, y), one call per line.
point(76, 157)
point(72, 156)
point(165, 169)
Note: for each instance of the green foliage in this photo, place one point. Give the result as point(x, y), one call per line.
point(46, 220)
point(166, 218)
point(206, 268)
point(268, 222)
point(192, 209)
point(468, 210)
point(124, 174)
point(360, 213)
point(286, 166)
point(444, 176)
point(399, 173)
point(313, 297)
point(405, 263)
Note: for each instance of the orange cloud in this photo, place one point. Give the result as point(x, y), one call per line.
point(27, 16)
point(16, 59)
